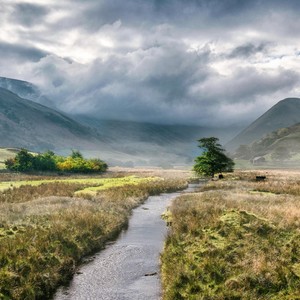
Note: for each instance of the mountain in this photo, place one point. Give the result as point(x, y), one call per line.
point(24, 123)
point(152, 144)
point(33, 125)
point(25, 90)
point(279, 147)
point(283, 114)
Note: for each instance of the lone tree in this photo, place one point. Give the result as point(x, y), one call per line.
point(213, 159)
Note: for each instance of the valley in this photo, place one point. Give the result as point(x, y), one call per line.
point(150, 150)
point(218, 235)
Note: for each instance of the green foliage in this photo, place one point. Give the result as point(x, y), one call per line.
point(213, 158)
point(45, 162)
point(22, 162)
point(81, 165)
point(48, 161)
point(76, 154)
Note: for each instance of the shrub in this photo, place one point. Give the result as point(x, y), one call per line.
point(48, 161)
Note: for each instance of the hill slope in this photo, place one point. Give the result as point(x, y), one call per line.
point(280, 145)
point(283, 114)
point(153, 144)
point(27, 124)
point(24, 123)
point(25, 90)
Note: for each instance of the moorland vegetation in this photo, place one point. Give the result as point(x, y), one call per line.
point(48, 225)
point(235, 239)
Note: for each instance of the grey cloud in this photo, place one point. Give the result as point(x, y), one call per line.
point(157, 84)
point(151, 85)
point(160, 78)
point(248, 49)
point(21, 52)
point(29, 14)
point(247, 84)
point(186, 13)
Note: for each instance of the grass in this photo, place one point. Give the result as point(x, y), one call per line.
point(93, 184)
point(227, 242)
point(46, 229)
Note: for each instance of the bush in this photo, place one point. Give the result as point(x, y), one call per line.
point(22, 162)
point(48, 161)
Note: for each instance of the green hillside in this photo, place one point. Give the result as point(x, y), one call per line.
point(280, 147)
point(284, 114)
point(26, 124)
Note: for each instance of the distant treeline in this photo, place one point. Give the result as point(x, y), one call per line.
point(25, 161)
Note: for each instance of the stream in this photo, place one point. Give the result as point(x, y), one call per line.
point(128, 268)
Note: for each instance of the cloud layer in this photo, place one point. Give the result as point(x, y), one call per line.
point(203, 62)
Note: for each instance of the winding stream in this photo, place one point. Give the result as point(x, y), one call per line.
point(129, 267)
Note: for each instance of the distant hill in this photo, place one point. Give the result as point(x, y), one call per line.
point(24, 123)
point(25, 90)
point(284, 114)
point(281, 145)
point(32, 125)
point(153, 144)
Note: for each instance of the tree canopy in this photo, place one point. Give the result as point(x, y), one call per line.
point(25, 161)
point(213, 158)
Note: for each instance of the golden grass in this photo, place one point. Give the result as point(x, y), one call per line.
point(235, 239)
point(46, 230)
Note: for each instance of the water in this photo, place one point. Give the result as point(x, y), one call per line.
point(127, 269)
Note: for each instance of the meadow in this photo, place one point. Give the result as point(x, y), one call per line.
point(235, 239)
point(48, 224)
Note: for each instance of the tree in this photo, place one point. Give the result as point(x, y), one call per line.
point(49, 161)
point(213, 159)
point(22, 162)
point(45, 162)
point(76, 154)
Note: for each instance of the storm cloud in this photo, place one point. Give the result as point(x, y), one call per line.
point(217, 63)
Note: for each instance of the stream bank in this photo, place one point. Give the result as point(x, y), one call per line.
point(129, 267)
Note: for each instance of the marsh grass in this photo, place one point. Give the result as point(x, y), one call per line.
point(46, 230)
point(228, 242)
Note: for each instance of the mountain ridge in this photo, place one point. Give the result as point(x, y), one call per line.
point(26, 90)
point(284, 113)
point(25, 123)
point(118, 142)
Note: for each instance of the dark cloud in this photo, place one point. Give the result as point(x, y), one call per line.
point(248, 49)
point(164, 61)
point(21, 52)
point(248, 84)
point(29, 14)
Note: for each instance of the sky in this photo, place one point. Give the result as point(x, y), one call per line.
point(206, 62)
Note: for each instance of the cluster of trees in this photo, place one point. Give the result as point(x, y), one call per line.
point(25, 161)
point(213, 159)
